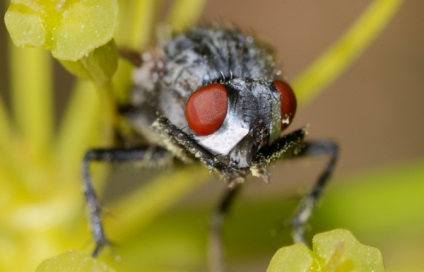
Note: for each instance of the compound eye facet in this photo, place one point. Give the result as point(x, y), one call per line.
point(206, 109)
point(288, 102)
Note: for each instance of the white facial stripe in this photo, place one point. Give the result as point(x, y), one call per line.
point(226, 137)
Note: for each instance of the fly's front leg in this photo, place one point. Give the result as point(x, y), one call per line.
point(308, 203)
point(152, 156)
point(186, 148)
point(292, 146)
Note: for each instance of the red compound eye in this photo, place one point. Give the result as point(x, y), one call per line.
point(288, 102)
point(206, 109)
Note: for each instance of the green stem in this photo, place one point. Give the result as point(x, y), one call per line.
point(11, 166)
point(5, 135)
point(135, 30)
point(89, 122)
point(343, 52)
point(31, 84)
point(79, 127)
point(109, 111)
point(185, 13)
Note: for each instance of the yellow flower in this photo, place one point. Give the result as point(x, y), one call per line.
point(333, 251)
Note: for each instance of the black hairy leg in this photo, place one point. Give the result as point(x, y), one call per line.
point(150, 156)
point(289, 146)
point(185, 147)
point(293, 146)
point(309, 201)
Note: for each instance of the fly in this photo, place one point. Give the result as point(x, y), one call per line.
point(214, 95)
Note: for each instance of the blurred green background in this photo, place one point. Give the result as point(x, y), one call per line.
point(374, 110)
